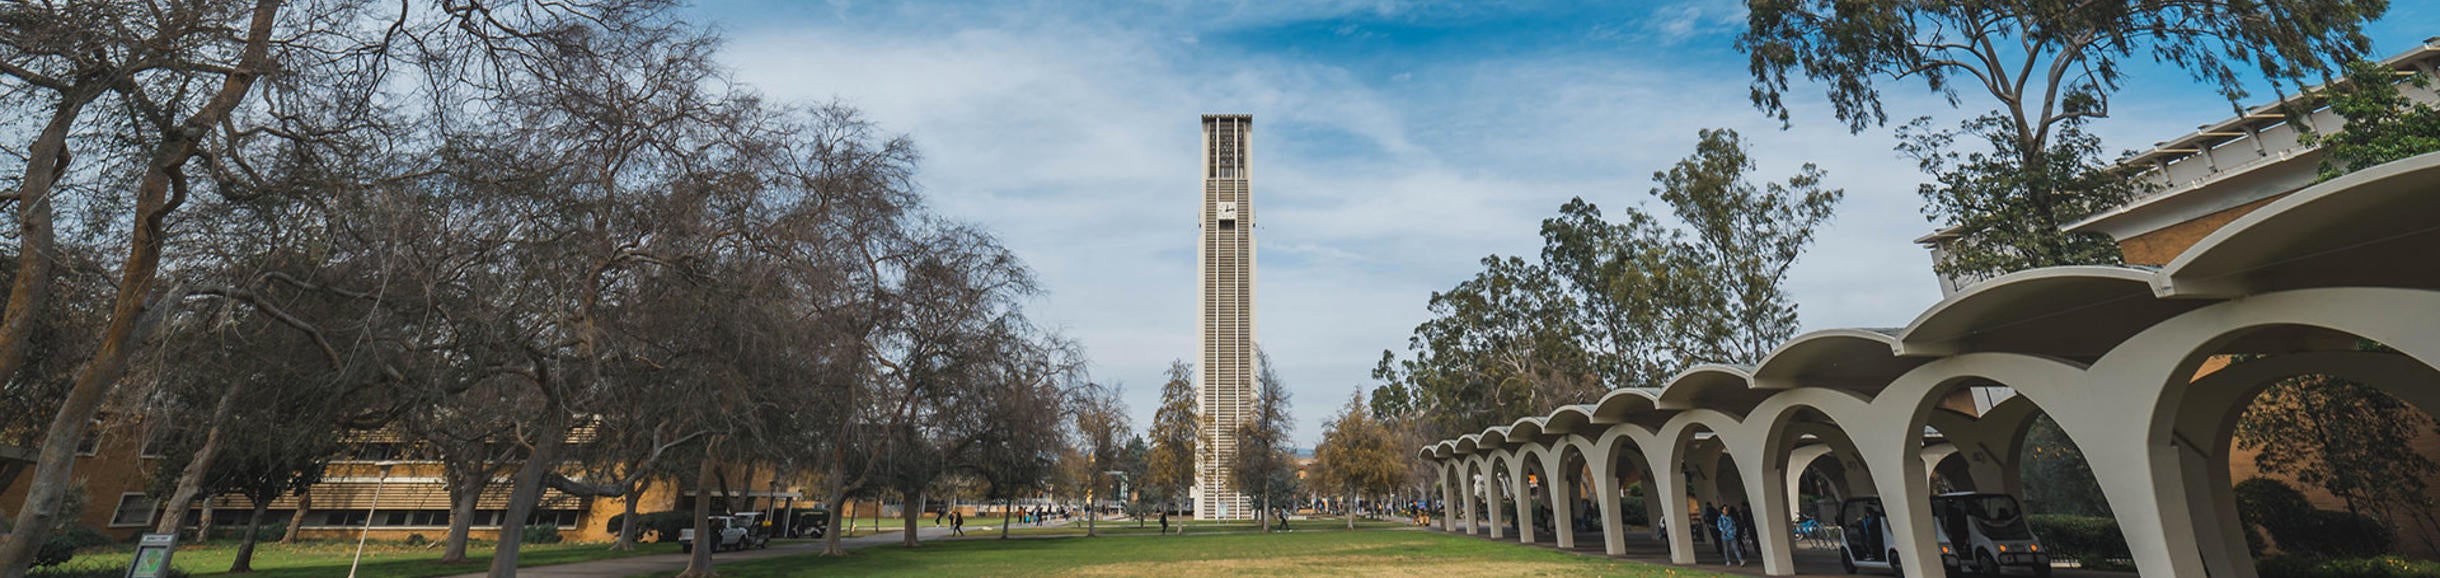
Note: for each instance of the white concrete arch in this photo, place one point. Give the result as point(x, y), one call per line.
point(1601, 451)
point(2362, 229)
point(2165, 475)
point(1767, 430)
point(1892, 442)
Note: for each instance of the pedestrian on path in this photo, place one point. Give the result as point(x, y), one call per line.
point(1745, 523)
point(1732, 549)
point(1164, 521)
point(957, 523)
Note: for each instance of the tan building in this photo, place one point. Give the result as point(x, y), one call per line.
point(2202, 181)
point(1224, 311)
point(382, 484)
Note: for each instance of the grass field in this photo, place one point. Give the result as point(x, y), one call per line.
point(1301, 553)
point(381, 560)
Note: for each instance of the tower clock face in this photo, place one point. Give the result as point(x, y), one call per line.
point(1228, 210)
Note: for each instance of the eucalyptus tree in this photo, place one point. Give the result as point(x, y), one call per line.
point(2048, 67)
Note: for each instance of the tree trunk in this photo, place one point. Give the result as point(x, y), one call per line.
point(30, 292)
point(699, 562)
point(1262, 517)
point(1351, 510)
point(297, 519)
point(627, 527)
point(190, 480)
point(1007, 514)
point(836, 501)
point(203, 527)
point(245, 546)
point(134, 308)
point(526, 493)
point(465, 493)
point(913, 511)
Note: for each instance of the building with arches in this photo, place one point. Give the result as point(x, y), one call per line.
point(2296, 285)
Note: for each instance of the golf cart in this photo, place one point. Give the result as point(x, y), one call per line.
point(1986, 534)
point(733, 532)
point(1864, 537)
point(1978, 533)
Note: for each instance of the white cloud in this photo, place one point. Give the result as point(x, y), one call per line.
point(1076, 142)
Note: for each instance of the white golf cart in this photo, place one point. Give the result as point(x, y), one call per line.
point(1990, 527)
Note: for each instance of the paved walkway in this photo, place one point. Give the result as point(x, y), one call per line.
point(1641, 547)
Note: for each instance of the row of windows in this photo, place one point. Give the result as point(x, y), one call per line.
point(135, 509)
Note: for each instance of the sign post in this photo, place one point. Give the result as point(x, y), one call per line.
point(152, 556)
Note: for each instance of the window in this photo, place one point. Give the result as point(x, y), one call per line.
point(92, 442)
point(156, 438)
point(134, 510)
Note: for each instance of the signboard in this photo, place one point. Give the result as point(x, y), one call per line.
point(152, 556)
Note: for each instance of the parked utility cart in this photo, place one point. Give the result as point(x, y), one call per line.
point(733, 532)
point(1981, 534)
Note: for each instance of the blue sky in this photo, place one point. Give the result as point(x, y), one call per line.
point(1396, 143)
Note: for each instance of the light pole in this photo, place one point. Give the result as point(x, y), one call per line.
point(368, 515)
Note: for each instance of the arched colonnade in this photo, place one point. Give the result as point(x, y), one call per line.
point(2335, 279)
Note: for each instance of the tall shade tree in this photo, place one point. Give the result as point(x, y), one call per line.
point(2047, 66)
point(1359, 456)
point(1265, 466)
point(1616, 303)
point(1745, 239)
point(1169, 469)
point(1101, 438)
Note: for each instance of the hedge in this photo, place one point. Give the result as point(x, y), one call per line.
point(2380, 567)
point(2089, 539)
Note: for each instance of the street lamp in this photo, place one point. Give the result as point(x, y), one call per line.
point(368, 515)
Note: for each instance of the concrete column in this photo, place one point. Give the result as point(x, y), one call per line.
point(1473, 506)
point(1494, 499)
point(1672, 496)
point(1561, 491)
point(1448, 498)
point(1605, 498)
point(1523, 494)
point(1768, 491)
point(1907, 505)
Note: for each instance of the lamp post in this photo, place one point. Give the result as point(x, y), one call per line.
point(369, 510)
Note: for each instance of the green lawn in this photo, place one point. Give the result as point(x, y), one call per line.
point(330, 558)
point(1301, 553)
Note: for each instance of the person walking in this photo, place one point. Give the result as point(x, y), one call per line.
point(1731, 547)
point(1745, 524)
point(1164, 521)
point(1711, 519)
point(957, 523)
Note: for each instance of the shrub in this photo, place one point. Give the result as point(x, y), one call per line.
point(87, 571)
point(2089, 539)
point(2301, 530)
point(542, 534)
point(657, 526)
point(418, 540)
point(2380, 567)
point(61, 546)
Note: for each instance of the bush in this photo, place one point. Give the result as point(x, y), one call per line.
point(92, 572)
point(2088, 539)
point(542, 534)
point(2301, 530)
point(657, 526)
point(269, 532)
point(61, 546)
point(418, 540)
point(2380, 567)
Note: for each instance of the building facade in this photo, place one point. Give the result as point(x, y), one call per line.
point(1224, 311)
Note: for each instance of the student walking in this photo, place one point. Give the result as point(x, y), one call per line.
point(1732, 549)
point(1164, 521)
point(957, 523)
